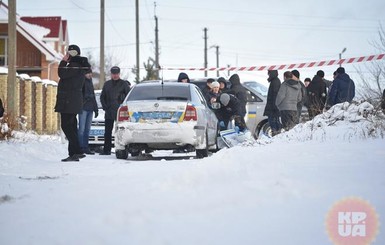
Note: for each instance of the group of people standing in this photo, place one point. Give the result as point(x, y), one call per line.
point(76, 100)
point(232, 100)
point(285, 100)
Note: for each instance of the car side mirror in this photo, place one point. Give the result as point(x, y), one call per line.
point(216, 105)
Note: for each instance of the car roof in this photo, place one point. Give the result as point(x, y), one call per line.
point(158, 83)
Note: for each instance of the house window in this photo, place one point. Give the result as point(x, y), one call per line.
point(3, 51)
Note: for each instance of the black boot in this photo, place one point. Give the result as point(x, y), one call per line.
point(72, 158)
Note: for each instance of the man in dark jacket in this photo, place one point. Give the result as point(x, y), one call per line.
point(1, 108)
point(231, 109)
point(113, 93)
point(288, 96)
point(343, 88)
point(69, 99)
point(317, 94)
point(271, 110)
point(304, 99)
point(85, 116)
point(238, 91)
point(383, 101)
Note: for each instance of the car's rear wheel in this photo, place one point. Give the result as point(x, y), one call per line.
point(121, 154)
point(201, 153)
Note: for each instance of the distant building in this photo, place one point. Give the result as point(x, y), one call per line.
point(41, 43)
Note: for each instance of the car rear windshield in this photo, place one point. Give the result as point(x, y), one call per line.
point(160, 93)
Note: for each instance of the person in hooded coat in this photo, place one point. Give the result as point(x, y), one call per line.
point(271, 110)
point(183, 78)
point(222, 85)
point(238, 91)
point(69, 98)
point(343, 88)
point(230, 110)
point(288, 96)
point(317, 95)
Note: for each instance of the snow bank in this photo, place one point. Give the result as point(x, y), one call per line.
point(345, 121)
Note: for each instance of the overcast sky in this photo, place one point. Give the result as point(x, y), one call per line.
point(248, 32)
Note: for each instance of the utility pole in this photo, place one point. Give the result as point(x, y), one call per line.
point(102, 76)
point(156, 44)
point(217, 53)
point(11, 108)
point(205, 51)
point(137, 40)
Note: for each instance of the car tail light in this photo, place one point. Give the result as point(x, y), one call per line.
point(190, 113)
point(123, 114)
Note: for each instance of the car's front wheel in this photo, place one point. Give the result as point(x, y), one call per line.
point(121, 154)
point(265, 131)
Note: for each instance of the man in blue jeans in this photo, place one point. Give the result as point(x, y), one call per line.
point(85, 116)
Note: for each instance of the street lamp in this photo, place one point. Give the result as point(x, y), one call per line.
point(340, 54)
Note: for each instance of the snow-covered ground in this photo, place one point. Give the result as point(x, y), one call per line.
point(273, 191)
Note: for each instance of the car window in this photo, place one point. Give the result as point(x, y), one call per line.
point(197, 96)
point(259, 88)
point(251, 97)
point(159, 92)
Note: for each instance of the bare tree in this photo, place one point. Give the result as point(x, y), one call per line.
point(109, 61)
point(373, 85)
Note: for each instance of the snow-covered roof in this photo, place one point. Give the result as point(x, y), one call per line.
point(32, 33)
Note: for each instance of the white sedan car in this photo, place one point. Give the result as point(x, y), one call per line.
point(165, 116)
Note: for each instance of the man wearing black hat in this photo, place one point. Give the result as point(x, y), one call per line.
point(317, 94)
point(69, 98)
point(113, 93)
point(343, 88)
point(304, 99)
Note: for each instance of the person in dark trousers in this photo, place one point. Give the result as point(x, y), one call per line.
point(343, 88)
point(85, 116)
point(113, 93)
point(238, 91)
point(303, 93)
point(317, 94)
point(69, 99)
point(271, 110)
point(1, 108)
point(288, 96)
point(383, 101)
point(231, 109)
point(183, 78)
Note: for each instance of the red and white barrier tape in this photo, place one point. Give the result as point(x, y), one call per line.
point(287, 66)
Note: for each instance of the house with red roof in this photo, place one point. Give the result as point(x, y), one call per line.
point(41, 43)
